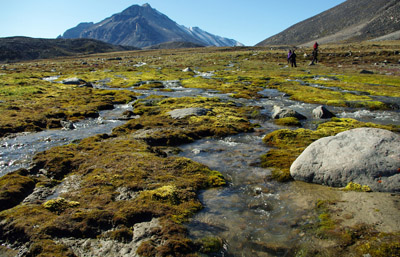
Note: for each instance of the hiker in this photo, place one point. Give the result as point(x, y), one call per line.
point(315, 54)
point(292, 59)
point(288, 56)
point(314, 57)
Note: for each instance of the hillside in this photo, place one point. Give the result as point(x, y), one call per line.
point(353, 20)
point(25, 48)
point(143, 26)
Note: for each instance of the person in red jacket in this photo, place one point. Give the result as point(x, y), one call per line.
point(315, 54)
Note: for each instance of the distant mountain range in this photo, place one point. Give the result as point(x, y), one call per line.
point(143, 26)
point(353, 20)
point(25, 48)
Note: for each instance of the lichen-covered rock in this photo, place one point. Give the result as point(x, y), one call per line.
point(367, 156)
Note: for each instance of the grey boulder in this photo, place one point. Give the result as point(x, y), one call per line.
point(367, 156)
point(282, 112)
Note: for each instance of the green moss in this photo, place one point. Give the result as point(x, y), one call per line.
point(14, 187)
point(25, 223)
point(166, 187)
point(49, 248)
point(357, 187)
point(120, 234)
point(33, 111)
point(58, 161)
point(215, 179)
point(148, 248)
point(325, 222)
point(164, 193)
point(314, 95)
point(224, 118)
point(357, 240)
point(325, 225)
point(288, 121)
point(381, 246)
point(59, 205)
point(210, 245)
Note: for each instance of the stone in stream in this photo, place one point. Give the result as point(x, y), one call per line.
point(67, 125)
point(182, 113)
point(188, 69)
point(367, 156)
point(282, 112)
point(73, 81)
point(322, 113)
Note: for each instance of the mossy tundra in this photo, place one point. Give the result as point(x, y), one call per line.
point(133, 159)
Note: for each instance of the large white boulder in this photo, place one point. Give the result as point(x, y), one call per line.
point(367, 156)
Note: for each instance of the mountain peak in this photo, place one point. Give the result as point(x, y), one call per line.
point(134, 10)
point(143, 26)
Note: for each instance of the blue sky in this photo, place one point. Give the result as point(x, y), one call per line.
point(247, 21)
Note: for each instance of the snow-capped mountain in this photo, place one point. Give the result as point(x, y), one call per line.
point(143, 26)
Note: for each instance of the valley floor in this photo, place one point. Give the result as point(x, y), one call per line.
point(129, 192)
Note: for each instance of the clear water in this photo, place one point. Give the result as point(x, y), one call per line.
point(251, 209)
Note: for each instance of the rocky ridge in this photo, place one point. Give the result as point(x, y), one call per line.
point(359, 20)
point(25, 48)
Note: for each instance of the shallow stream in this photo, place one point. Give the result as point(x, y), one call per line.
point(252, 214)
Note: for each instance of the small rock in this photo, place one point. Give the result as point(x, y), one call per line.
point(68, 125)
point(73, 81)
point(126, 194)
point(144, 231)
point(322, 113)
point(88, 84)
point(39, 194)
point(128, 115)
point(366, 72)
point(282, 112)
point(182, 113)
point(187, 70)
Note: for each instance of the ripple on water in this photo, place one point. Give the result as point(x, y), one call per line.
point(383, 117)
